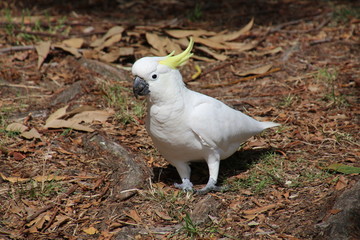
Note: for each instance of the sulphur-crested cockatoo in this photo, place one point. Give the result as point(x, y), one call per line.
point(185, 125)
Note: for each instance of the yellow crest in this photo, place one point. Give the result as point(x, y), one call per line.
point(180, 59)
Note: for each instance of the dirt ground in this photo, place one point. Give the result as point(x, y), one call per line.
point(293, 62)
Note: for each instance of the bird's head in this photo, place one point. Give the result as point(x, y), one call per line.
point(158, 73)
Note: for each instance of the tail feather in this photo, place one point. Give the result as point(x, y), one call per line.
point(266, 125)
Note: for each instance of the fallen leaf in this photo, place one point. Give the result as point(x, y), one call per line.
point(14, 179)
point(215, 55)
point(33, 133)
point(73, 42)
point(113, 55)
point(18, 156)
point(342, 168)
point(38, 222)
point(90, 230)
point(109, 42)
point(134, 215)
point(16, 127)
point(60, 123)
point(260, 209)
point(163, 215)
point(233, 35)
point(255, 71)
point(268, 52)
point(90, 116)
point(57, 114)
point(42, 48)
point(113, 31)
point(156, 42)
point(334, 211)
point(171, 46)
point(239, 47)
point(198, 72)
point(341, 183)
point(50, 177)
point(209, 43)
point(71, 50)
point(187, 33)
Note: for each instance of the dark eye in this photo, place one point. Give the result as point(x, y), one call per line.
point(154, 76)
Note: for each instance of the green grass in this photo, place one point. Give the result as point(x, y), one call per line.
point(196, 13)
point(344, 13)
point(34, 190)
point(273, 169)
point(44, 25)
point(330, 78)
point(288, 101)
point(127, 109)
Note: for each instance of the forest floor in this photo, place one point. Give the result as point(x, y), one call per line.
point(65, 77)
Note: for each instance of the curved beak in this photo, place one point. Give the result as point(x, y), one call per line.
point(140, 87)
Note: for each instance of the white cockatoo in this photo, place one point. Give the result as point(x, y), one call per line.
point(189, 126)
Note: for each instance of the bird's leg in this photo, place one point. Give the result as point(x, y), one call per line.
point(184, 171)
point(213, 162)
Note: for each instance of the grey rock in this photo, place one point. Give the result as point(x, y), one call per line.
point(345, 225)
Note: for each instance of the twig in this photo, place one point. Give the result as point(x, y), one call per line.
point(51, 205)
point(19, 86)
point(43, 34)
point(51, 220)
point(17, 48)
point(241, 79)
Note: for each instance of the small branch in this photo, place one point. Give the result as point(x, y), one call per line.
point(51, 205)
point(17, 48)
point(241, 79)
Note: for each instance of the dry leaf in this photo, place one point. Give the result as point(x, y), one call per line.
point(233, 35)
point(13, 179)
point(38, 222)
point(33, 133)
point(156, 42)
point(42, 49)
point(187, 33)
point(341, 183)
point(71, 50)
point(16, 127)
point(115, 54)
point(215, 55)
point(90, 230)
point(60, 123)
point(172, 46)
point(163, 215)
point(201, 58)
point(109, 42)
point(260, 209)
point(134, 215)
point(240, 47)
point(90, 116)
point(49, 178)
point(209, 43)
point(74, 42)
point(57, 114)
point(268, 52)
point(258, 70)
point(113, 31)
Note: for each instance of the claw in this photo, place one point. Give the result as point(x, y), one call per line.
point(186, 185)
point(210, 186)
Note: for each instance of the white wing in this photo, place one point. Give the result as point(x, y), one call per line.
point(220, 126)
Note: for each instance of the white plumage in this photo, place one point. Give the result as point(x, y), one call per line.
point(188, 126)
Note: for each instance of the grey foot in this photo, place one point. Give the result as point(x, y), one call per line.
point(210, 186)
point(186, 185)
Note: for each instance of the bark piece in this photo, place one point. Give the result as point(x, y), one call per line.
point(129, 172)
